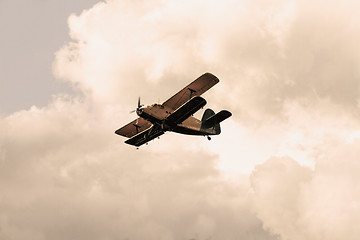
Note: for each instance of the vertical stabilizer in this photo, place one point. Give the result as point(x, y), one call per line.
point(211, 127)
point(207, 114)
point(212, 121)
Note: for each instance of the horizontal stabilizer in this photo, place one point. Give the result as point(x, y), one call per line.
point(216, 119)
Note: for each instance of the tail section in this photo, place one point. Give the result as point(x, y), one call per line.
point(211, 121)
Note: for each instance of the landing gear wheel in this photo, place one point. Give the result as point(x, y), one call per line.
point(209, 138)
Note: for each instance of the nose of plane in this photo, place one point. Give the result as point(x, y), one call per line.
point(139, 111)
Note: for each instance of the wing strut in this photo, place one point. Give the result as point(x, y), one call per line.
point(192, 91)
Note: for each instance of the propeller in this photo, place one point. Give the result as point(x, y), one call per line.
point(139, 105)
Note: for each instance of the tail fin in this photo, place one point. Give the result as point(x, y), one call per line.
point(207, 114)
point(212, 120)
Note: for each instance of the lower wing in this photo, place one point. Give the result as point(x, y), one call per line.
point(186, 110)
point(145, 136)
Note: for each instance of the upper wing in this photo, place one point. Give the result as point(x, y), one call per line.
point(145, 136)
point(133, 128)
point(186, 110)
point(196, 88)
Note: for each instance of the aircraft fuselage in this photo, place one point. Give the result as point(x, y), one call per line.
point(157, 114)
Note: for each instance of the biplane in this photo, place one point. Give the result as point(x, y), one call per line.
point(176, 115)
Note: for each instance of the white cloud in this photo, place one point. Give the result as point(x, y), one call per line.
point(299, 203)
point(65, 174)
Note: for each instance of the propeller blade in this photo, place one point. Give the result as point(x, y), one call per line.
point(139, 106)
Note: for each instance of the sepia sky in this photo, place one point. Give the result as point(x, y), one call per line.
point(286, 165)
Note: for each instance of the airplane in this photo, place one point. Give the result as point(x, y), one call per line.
point(176, 115)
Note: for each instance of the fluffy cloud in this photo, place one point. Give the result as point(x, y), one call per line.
point(65, 175)
point(299, 203)
point(265, 54)
point(289, 73)
point(277, 185)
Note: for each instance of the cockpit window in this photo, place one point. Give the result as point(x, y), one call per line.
point(158, 105)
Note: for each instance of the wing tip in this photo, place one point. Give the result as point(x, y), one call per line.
point(117, 131)
point(212, 76)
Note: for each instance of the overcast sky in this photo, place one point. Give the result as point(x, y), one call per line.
point(31, 31)
point(286, 165)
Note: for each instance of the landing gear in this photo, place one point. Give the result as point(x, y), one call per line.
point(209, 138)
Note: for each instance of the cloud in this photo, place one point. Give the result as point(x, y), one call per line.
point(265, 55)
point(65, 174)
point(289, 73)
point(299, 203)
point(277, 185)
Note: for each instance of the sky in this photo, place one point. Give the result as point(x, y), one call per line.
point(32, 31)
point(286, 165)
